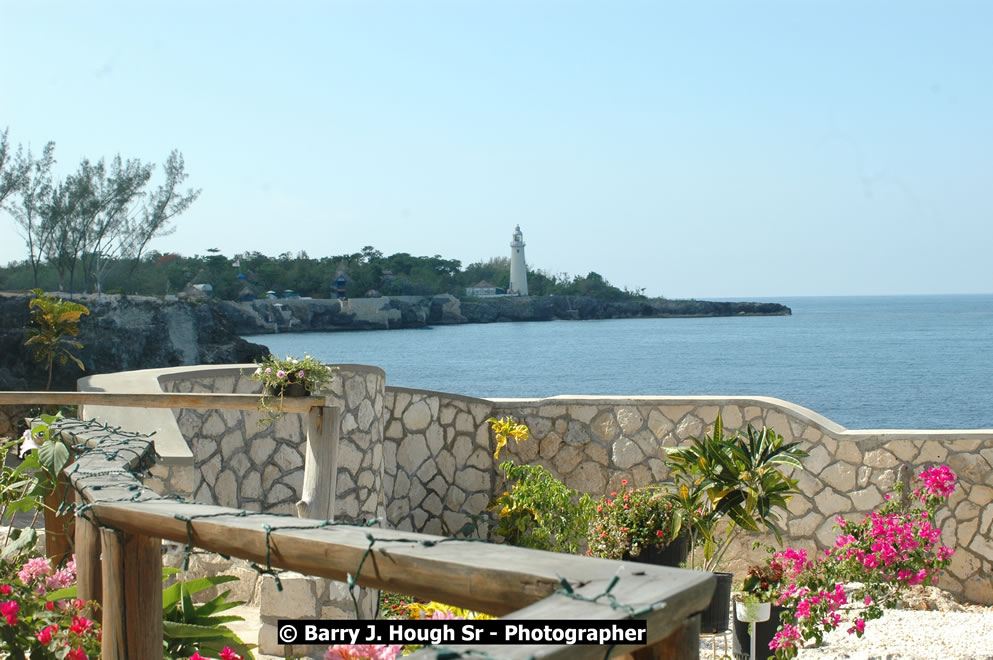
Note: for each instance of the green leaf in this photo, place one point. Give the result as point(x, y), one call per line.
point(53, 456)
point(177, 630)
point(171, 595)
point(62, 594)
point(19, 542)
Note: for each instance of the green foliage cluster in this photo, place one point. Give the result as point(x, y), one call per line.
point(23, 487)
point(629, 521)
point(189, 627)
point(54, 325)
point(737, 479)
point(540, 512)
point(158, 274)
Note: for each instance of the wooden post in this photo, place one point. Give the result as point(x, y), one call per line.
point(88, 570)
point(684, 642)
point(132, 596)
point(320, 472)
point(59, 528)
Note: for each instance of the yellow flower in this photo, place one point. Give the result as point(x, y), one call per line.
point(505, 428)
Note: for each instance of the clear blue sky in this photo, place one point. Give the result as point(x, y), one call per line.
point(696, 149)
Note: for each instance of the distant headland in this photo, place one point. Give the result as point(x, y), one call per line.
point(393, 312)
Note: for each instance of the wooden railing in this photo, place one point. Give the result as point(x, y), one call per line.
point(124, 522)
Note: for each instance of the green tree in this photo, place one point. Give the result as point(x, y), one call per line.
point(52, 330)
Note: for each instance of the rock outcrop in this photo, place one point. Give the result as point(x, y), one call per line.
point(122, 334)
point(305, 315)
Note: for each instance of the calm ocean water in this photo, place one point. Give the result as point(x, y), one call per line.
point(922, 362)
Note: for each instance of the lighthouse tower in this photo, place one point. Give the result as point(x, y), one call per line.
point(518, 268)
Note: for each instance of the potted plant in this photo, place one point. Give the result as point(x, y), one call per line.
point(289, 377)
point(725, 485)
point(636, 524)
point(756, 612)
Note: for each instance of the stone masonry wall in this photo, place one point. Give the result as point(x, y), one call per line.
point(240, 464)
point(422, 461)
point(592, 443)
point(439, 466)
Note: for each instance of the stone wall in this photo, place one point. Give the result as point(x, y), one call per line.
point(242, 464)
point(592, 443)
point(439, 465)
point(422, 461)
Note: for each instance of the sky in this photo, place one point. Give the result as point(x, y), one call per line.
point(693, 149)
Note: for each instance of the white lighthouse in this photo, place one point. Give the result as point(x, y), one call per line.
point(518, 268)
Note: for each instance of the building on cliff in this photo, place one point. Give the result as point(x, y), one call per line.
point(518, 267)
point(484, 289)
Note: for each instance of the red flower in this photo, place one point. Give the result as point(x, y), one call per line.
point(624, 482)
point(80, 624)
point(5, 589)
point(49, 605)
point(228, 653)
point(9, 610)
point(76, 654)
point(45, 636)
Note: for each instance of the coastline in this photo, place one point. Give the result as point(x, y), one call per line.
point(394, 312)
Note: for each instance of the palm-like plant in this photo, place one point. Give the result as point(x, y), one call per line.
point(736, 478)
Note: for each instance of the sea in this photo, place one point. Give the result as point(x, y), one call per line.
point(867, 362)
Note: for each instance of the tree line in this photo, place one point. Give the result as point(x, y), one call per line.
point(366, 273)
point(93, 221)
point(90, 231)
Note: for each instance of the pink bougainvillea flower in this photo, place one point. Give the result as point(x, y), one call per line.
point(34, 569)
point(363, 652)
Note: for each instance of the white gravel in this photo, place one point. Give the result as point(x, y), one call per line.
point(909, 634)
point(903, 635)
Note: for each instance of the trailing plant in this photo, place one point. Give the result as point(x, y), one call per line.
point(199, 628)
point(629, 521)
point(280, 376)
point(52, 331)
point(764, 582)
point(729, 484)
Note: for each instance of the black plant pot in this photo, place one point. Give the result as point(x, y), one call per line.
point(290, 389)
point(715, 618)
point(764, 632)
point(673, 554)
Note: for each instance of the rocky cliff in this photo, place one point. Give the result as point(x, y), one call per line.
point(303, 315)
point(123, 334)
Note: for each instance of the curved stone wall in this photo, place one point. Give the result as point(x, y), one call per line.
point(439, 465)
point(423, 461)
point(225, 457)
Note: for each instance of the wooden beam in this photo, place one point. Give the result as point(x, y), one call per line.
point(89, 585)
point(157, 400)
point(132, 589)
point(59, 528)
point(487, 577)
point(320, 472)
